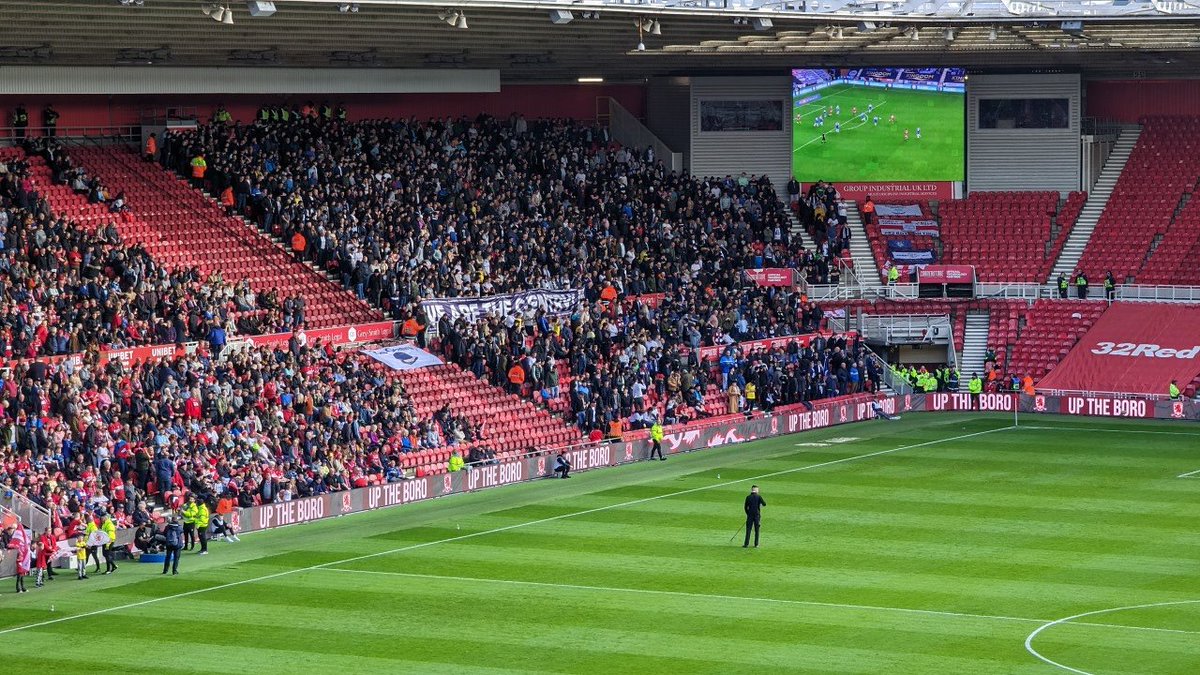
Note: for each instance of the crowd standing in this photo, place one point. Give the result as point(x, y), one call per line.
point(401, 211)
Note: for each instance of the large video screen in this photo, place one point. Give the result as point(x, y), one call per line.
point(878, 124)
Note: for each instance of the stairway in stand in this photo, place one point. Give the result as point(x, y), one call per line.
point(1098, 197)
point(183, 228)
point(975, 343)
point(860, 249)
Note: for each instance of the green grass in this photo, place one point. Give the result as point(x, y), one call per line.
point(869, 153)
point(939, 557)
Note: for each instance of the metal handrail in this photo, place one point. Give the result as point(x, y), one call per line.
point(1104, 394)
point(125, 132)
point(33, 516)
point(897, 384)
point(907, 326)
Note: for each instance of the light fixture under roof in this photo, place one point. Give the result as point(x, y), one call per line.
point(454, 17)
point(348, 7)
point(590, 80)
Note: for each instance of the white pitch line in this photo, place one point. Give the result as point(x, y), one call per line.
point(506, 528)
point(1112, 431)
point(1190, 473)
point(1071, 620)
point(779, 601)
point(686, 594)
point(819, 103)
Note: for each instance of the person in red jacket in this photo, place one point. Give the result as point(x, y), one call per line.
point(50, 545)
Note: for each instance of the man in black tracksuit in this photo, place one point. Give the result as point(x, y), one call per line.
point(754, 506)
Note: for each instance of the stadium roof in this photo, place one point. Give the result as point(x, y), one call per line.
point(526, 41)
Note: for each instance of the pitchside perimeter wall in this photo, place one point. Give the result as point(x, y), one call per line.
point(636, 447)
point(687, 439)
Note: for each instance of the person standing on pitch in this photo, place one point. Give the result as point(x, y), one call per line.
point(656, 437)
point(173, 535)
point(754, 506)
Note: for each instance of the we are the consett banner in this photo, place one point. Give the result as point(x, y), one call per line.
point(404, 357)
point(523, 304)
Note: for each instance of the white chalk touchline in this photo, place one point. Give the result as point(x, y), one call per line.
point(715, 596)
point(413, 547)
point(1188, 474)
point(1071, 620)
point(1111, 431)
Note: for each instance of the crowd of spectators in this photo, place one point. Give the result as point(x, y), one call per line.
point(65, 288)
point(636, 362)
point(257, 426)
point(402, 210)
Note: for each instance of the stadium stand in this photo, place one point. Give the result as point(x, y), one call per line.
point(79, 286)
point(586, 198)
point(1006, 236)
point(1048, 330)
point(183, 228)
point(1167, 157)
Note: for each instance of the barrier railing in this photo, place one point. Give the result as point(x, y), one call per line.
point(1015, 291)
point(1144, 293)
point(1102, 394)
point(129, 133)
point(31, 515)
point(907, 328)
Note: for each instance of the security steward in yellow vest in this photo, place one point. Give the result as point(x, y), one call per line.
point(20, 122)
point(1173, 391)
point(656, 437)
point(202, 516)
point(975, 386)
point(189, 523)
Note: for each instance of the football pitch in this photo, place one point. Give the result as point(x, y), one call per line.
point(864, 151)
point(948, 543)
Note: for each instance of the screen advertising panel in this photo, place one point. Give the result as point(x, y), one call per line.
point(878, 124)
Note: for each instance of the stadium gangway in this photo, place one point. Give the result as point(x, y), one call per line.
point(899, 385)
point(1132, 293)
point(907, 328)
